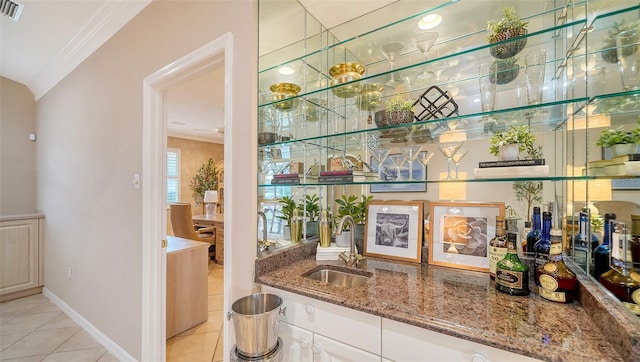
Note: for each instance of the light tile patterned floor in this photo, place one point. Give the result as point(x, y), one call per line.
point(33, 329)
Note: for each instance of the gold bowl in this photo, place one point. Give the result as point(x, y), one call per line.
point(342, 73)
point(282, 92)
point(370, 97)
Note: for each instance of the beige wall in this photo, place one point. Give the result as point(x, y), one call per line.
point(193, 154)
point(17, 153)
point(90, 147)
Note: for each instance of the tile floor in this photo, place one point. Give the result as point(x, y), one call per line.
point(33, 329)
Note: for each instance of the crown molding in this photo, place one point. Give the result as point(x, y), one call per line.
point(105, 23)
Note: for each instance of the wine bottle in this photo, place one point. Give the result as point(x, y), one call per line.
point(536, 232)
point(512, 275)
point(556, 282)
point(542, 246)
point(497, 246)
point(601, 254)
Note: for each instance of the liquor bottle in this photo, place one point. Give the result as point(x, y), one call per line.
point(512, 275)
point(497, 246)
point(542, 246)
point(601, 254)
point(556, 282)
point(525, 231)
point(536, 232)
point(582, 241)
point(621, 280)
point(635, 241)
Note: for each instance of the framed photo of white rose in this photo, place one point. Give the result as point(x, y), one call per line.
point(394, 230)
point(459, 233)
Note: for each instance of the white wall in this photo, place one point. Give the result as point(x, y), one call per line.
point(17, 153)
point(89, 148)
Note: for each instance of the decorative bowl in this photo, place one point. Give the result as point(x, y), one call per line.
point(370, 97)
point(385, 119)
point(283, 91)
point(342, 73)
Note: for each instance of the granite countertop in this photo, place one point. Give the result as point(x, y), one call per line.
point(459, 303)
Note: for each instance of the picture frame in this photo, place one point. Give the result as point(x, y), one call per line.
point(620, 183)
point(459, 233)
point(394, 230)
point(417, 171)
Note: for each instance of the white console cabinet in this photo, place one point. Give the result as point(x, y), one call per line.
point(21, 256)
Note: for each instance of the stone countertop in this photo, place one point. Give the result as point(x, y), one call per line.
point(459, 303)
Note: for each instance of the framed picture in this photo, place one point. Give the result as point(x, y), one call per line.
point(417, 172)
point(394, 230)
point(459, 233)
point(620, 183)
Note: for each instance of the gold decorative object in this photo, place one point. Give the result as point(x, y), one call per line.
point(370, 97)
point(283, 91)
point(342, 73)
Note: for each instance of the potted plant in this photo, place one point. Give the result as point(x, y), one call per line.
point(510, 26)
point(609, 51)
point(399, 110)
point(507, 145)
point(529, 191)
point(349, 205)
point(311, 204)
point(286, 214)
point(619, 141)
point(205, 179)
point(504, 71)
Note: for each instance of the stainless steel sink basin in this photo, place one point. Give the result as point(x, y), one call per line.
point(342, 278)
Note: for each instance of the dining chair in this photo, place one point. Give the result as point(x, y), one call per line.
point(182, 225)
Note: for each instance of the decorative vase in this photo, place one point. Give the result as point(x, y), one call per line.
point(622, 149)
point(509, 152)
point(344, 240)
point(286, 232)
point(312, 228)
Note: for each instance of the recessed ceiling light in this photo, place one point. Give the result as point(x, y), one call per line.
point(286, 70)
point(430, 21)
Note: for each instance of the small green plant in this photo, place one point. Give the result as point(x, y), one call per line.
point(312, 204)
point(510, 21)
point(519, 135)
point(610, 137)
point(206, 178)
point(398, 104)
point(286, 212)
point(597, 222)
point(349, 205)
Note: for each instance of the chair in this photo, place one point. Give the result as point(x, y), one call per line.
point(182, 224)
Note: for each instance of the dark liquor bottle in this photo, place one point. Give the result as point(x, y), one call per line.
point(536, 232)
point(625, 286)
point(601, 254)
point(497, 246)
point(542, 246)
point(635, 241)
point(525, 232)
point(582, 240)
point(556, 282)
point(512, 275)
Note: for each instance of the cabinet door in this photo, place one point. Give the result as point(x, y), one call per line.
point(296, 343)
point(403, 342)
point(19, 255)
point(329, 350)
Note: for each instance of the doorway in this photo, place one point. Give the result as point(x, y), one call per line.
point(154, 187)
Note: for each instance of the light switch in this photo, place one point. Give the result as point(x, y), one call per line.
point(136, 181)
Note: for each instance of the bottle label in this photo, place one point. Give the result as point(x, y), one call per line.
point(556, 249)
point(635, 276)
point(547, 282)
point(553, 296)
point(634, 308)
point(635, 296)
point(495, 255)
point(509, 278)
point(550, 267)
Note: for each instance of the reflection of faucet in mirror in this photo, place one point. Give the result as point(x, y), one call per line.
point(353, 258)
point(263, 245)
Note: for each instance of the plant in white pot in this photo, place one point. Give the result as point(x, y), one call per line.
point(349, 205)
point(311, 204)
point(619, 141)
point(508, 145)
point(286, 214)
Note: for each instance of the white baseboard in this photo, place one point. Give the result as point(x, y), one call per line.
point(108, 344)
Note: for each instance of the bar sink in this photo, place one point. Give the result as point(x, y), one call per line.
point(342, 277)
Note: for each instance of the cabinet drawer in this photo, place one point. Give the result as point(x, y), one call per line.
point(346, 325)
point(403, 342)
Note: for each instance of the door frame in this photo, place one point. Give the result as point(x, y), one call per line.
point(154, 153)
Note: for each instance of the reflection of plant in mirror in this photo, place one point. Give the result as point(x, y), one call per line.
point(597, 222)
point(312, 203)
point(520, 135)
point(609, 51)
point(288, 205)
point(397, 103)
point(528, 192)
point(504, 71)
point(610, 137)
point(349, 205)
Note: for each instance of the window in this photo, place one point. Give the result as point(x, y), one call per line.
point(173, 175)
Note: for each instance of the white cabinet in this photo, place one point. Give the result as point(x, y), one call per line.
point(402, 342)
point(312, 330)
point(21, 257)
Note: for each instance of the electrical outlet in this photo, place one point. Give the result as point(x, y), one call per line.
point(69, 273)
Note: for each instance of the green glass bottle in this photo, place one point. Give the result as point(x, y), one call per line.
point(512, 275)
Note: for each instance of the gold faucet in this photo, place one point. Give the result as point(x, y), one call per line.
point(353, 258)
